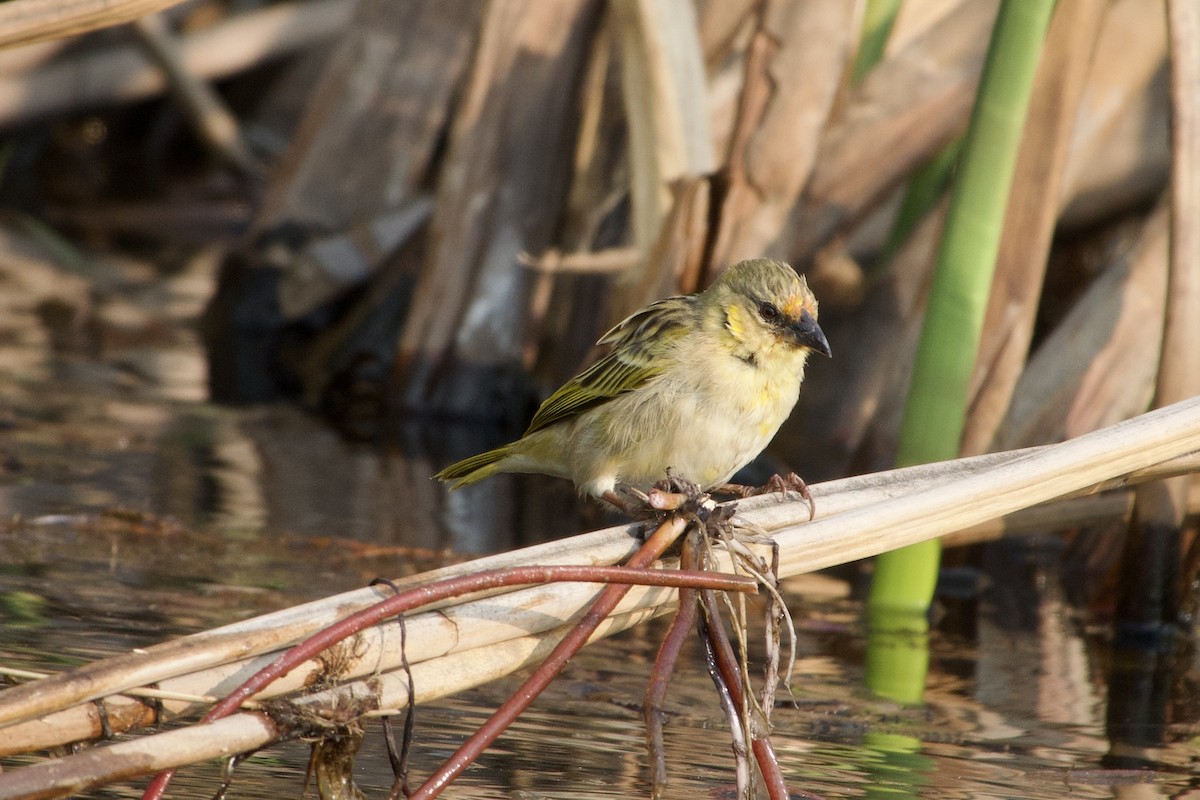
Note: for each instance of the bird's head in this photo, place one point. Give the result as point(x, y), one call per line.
point(765, 305)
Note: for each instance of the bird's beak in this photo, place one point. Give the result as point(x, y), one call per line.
point(809, 334)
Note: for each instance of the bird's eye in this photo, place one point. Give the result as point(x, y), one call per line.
point(768, 312)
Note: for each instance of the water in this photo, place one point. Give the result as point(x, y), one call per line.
point(135, 511)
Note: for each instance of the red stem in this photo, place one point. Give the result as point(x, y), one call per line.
point(624, 577)
point(576, 638)
point(660, 678)
point(760, 744)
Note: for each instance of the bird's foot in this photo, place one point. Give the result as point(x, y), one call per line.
point(676, 494)
point(777, 483)
point(630, 501)
point(672, 495)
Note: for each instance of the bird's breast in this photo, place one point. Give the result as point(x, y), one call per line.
point(734, 411)
point(704, 418)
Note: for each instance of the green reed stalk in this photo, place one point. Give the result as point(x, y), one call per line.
point(937, 400)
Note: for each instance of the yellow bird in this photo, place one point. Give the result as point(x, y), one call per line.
point(697, 384)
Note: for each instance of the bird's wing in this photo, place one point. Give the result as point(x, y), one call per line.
point(629, 364)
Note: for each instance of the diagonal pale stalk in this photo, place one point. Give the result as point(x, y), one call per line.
point(662, 81)
point(936, 406)
point(28, 21)
point(875, 513)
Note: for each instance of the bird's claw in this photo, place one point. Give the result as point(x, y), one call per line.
point(776, 483)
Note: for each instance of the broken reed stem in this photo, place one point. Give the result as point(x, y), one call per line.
point(210, 118)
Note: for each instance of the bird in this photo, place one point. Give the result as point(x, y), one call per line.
point(693, 385)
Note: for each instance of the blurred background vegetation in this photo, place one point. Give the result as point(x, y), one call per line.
point(430, 210)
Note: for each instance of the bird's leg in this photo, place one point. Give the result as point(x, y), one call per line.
point(777, 483)
point(628, 502)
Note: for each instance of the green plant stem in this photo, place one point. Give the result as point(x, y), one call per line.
point(924, 188)
point(878, 19)
point(937, 402)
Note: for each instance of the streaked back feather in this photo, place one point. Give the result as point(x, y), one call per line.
point(627, 366)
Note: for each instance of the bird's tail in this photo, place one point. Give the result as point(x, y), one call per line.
point(474, 469)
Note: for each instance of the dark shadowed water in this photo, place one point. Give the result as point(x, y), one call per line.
point(134, 511)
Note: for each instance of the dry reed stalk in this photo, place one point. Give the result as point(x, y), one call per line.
point(367, 141)
point(28, 21)
point(794, 67)
point(677, 259)
point(663, 82)
point(1165, 502)
point(723, 27)
point(18, 59)
point(1114, 507)
point(595, 187)
point(207, 113)
point(901, 114)
point(122, 74)
point(501, 186)
point(1119, 150)
point(1151, 579)
point(960, 503)
point(1092, 369)
point(670, 151)
point(914, 18)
